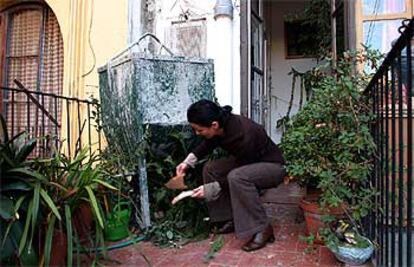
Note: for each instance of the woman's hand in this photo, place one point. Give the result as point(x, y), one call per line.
point(198, 192)
point(181, 169)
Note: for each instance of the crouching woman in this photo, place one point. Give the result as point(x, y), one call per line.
point(231, 185)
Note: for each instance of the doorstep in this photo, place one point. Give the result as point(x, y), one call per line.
point(290, 193)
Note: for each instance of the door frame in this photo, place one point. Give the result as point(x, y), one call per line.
point(245, 61)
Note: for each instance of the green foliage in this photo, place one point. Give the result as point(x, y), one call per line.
point(215, 247)
point(40, 196)
point(328, 144)
point(314, 17)
point(71, 183)
point(20, 198)
point(342, 233)
point(120, 178)
point(163, 148)
point(166, 147)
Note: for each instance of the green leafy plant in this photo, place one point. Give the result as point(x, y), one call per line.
point(315, 17)
point(22, 198)
point(328, 144)
point(306, 82)
point(70, 184)
point(16, 186)
point(346, 235)
point(215, 247)
point(166, 147)
point(163, 148)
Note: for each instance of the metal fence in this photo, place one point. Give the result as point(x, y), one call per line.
point(390, 224)
point(39, 114)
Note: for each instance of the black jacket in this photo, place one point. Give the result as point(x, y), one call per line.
point(244, 139)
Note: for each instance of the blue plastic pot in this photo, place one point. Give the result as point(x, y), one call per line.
point(354, 255)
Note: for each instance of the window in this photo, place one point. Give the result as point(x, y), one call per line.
point(33, 54)
point(381, 20)
point(298, 43)
point(373, 7)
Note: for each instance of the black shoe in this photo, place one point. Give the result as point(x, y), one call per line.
point(260, 239)
point(226, 228)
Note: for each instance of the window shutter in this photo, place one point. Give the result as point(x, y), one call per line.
point(34, 56)
point(188, 38)
point(51, 74)
point(52, 60)
point(22, 59)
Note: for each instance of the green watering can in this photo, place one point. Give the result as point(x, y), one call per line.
point(117, 222)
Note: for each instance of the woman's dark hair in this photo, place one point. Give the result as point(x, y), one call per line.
point(204, 112)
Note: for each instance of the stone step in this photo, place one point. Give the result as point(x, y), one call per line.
point(290, 193)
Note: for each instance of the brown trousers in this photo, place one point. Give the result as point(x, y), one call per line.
point(239, 199)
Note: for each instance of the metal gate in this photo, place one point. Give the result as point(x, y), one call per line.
point(390, 224)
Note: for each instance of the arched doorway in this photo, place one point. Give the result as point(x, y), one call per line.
point(31, 47)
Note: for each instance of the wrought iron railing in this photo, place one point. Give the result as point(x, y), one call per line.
point(39, 114)
point(390, 224)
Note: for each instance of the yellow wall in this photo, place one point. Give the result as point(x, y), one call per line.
point(106, 37)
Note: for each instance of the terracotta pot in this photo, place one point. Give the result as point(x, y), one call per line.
point(313, 216)
point(83, 222)
point(312, 194)
point(59, 250)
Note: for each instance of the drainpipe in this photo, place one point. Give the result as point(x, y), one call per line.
point(223, 67)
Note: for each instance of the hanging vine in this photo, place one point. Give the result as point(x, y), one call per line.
point(281, 123)
point(315, 15)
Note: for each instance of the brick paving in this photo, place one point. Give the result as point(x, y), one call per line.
point(288, 250)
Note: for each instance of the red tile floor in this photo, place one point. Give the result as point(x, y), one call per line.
point(288, 250)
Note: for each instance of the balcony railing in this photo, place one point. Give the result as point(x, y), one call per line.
point(390, 224)
point(39, 114)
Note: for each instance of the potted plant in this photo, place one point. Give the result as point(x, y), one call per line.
point(328, 145)
point(39, 199)
point(350, 246)
point(18, 182)
point(74, 186)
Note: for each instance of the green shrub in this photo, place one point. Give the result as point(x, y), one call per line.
point(328, 144)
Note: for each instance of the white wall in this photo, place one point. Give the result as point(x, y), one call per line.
point(280, 82)
point(169, 10)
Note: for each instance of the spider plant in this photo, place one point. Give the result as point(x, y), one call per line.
point(21, 194)
point(71, 183)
